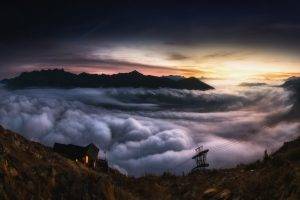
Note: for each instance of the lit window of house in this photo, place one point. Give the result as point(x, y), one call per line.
point(86, 159)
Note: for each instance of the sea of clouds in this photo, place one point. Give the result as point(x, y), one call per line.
point(155, 130)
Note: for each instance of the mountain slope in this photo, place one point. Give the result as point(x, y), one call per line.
point(29, 169)
point(62, 79)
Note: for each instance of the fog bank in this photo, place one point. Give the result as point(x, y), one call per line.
point(151, 131)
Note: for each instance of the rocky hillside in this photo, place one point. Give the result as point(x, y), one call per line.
point(29, 170)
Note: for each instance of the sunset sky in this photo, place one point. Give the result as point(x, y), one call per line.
point(219, 42)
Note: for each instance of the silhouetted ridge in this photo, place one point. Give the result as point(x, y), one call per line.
point(62, 79)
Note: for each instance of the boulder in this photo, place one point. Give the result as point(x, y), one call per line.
point(215, 194)
point(210, 193)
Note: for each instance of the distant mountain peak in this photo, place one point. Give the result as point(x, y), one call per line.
point(134, 73)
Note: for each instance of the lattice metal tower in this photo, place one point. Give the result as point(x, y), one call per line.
point(200, 158)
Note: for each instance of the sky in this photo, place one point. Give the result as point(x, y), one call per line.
point(217, 41)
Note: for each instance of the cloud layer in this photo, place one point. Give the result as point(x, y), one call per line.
point(151, 131)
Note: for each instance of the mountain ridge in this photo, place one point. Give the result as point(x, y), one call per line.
point(59, 78)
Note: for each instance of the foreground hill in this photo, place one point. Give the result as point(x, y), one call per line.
point(29, 170)
point(62, 79)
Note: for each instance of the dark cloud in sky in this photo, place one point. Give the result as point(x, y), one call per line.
point(177, 56)
point(64, 54)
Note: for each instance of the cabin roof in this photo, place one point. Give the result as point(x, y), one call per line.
point(76, 152)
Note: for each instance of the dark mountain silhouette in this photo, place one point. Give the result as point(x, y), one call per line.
point(29, 170)
point(293, 84)
point(174, 77)
point(62, 79)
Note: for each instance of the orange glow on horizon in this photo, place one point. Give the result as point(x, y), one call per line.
point(211, 63)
